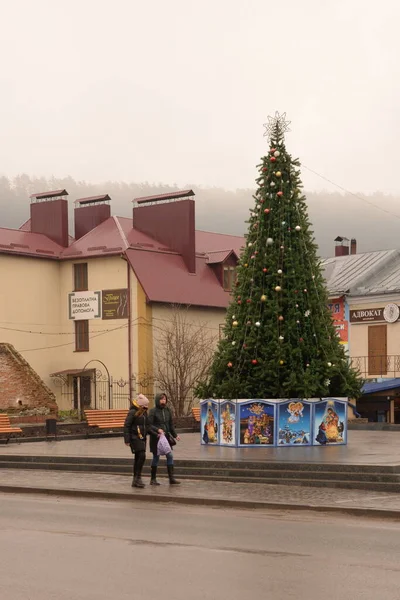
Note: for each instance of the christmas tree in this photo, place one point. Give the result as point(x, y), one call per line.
point(279, 339)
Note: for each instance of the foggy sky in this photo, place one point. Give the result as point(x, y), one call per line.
point(177, 91)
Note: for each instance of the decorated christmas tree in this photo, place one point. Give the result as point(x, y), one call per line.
point(279, 339)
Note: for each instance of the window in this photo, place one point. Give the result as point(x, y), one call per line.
point(80, 277)
point(229, 278)
point(81, 336)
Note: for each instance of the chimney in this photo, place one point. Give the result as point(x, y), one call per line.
point(341, 246)
point(49, 215)
point(353, 246)
point(90, 212)
point(170, 219)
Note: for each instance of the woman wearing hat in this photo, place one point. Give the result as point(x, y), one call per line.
point(135, 430)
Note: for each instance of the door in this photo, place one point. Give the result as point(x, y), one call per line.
point(377, 350)
point(85, 388)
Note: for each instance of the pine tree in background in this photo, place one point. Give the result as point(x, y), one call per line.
point(279, 339)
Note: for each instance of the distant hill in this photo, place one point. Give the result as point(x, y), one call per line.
point(224, 211)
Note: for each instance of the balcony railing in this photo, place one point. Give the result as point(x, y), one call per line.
point(377, 366)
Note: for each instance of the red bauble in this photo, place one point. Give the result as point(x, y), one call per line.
point(272, 159)
point(265, 270)
point(266, 210)
point(262, 201)
point(230, 365)
point(239, 302)
point(265, 169)
point(301, 339)
point(244, 346)
point(273, 150)
point(254, 361)
point(296, 292)
point(248, 300)
point(280, 193)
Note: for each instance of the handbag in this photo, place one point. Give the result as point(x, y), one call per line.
point(171, 440)
point(163, 447)
point(169, 436)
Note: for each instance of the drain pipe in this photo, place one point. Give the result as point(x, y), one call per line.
point(129, 332)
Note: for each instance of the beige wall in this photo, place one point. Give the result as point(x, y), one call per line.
point(30, 310)
point(34, 319)
point(208, 318)
point(358, 332)
point(108, 339)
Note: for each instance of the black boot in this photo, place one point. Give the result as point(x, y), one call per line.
point(172, 479)
point(137, 482)
point(153, 480)
point(134, 475)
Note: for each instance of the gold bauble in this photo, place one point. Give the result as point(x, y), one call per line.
point(235, 324)
point(263, 298)
point(278, 174)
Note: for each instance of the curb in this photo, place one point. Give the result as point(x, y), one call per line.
point(193, 501)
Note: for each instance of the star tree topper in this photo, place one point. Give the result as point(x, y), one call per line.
point(277, 119)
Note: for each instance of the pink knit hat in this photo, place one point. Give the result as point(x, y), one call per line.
point(142, 401)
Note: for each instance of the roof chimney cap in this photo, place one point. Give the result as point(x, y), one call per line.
point(341, 239)
point(164, 197)
point(48, 195)
point(93, 200)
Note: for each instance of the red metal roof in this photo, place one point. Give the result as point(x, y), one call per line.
point(27, 227)
point(161, 271)
point(217, 257)
point(16, 241)
point(207, 242)
point(165, 278)
point(168, 196)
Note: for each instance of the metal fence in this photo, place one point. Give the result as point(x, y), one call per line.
point(376, 366)
point(99, 391)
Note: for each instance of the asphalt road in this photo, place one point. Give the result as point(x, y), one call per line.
point(66, 549)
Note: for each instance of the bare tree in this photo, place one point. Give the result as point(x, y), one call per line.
point(183, 355)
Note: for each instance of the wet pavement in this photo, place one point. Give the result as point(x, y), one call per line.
point(364, 448)
point(69, 549)
point(220, 493)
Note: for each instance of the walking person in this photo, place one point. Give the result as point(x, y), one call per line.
point(135, 431)
point(161, 423)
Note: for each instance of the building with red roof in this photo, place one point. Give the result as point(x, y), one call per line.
point(91, 303)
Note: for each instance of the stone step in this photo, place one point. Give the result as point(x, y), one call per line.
point(212, 464)
point(351, 484)
point(234, 475)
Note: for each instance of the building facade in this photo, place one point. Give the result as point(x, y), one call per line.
point(86, 312)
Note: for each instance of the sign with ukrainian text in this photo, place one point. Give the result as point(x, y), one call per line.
point(84, 305)
point(389, 313)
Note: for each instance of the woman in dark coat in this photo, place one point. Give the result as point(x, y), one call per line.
point(135, 431)
point(161, 423)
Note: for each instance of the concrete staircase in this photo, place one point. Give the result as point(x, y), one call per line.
point(361, 477)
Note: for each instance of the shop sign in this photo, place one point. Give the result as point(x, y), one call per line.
point(389, 313)
point(84, 305)
point(115, 304)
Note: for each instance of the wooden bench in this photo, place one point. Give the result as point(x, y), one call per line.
point(196, 414)
point(106, 419)
point(5, 427)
